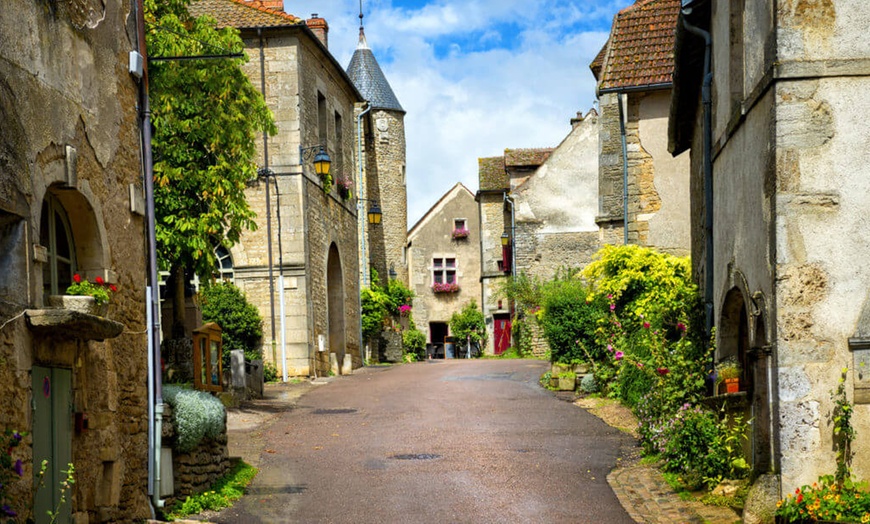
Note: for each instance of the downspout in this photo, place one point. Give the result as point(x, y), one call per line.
point(706, 100)
point(268, 200)
point(510, 201)
point(362, 228)
point(155, 380)
point(620, 98)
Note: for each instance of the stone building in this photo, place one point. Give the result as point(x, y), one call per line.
point(307, 224)
point(779, 148)
point(443, 249)
point(634, 79)
point(71, 203)
point(382, 172)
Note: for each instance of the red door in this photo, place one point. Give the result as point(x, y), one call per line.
point(502, 333)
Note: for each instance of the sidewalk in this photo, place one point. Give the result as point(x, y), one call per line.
point(641, 489)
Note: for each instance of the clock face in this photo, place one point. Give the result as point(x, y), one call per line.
point(382, 124)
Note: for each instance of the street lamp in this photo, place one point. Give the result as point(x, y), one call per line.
point(375, 213)
point(321, 159)
point(505, 239)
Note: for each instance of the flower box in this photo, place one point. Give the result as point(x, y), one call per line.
point(459, 234)
point(449, 287)
point(81, 303)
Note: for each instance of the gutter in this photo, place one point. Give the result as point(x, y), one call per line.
point(361, 226)
point(622, 99)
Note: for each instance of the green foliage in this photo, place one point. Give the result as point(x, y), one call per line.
point(198, 415)
point(844, 432)
point(588, 384)
point(524, 291)
point(226, 490)
point(375, 308)
point(207, 117)
point(829, 500)
point(270, 372)
point(225, 304)
point(468, 324)
point(398, 295)
point(545, 380)
point(569, 317)
point(414, 343)
point(99, 289)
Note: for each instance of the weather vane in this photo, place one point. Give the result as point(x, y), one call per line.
point(360, 14)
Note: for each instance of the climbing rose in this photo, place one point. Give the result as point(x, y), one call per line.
point(681, 326)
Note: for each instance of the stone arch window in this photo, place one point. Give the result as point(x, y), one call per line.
point(224, 266)
point(55, 235)
point(734, 334)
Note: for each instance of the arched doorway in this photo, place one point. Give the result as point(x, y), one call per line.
point(335, 304)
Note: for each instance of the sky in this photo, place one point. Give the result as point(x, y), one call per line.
point(475, 77)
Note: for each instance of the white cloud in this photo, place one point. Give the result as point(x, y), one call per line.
point(461, 105)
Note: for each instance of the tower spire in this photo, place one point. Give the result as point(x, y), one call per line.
point(363, 44)
point(360, 16)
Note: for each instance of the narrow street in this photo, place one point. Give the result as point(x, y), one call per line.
point(439, 441)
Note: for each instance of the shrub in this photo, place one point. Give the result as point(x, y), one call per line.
point(414, 343)
point(569, 319)
point(198, 415)
point(270, 372)
point(468, 324)
point(242, 325)
point(588, 384)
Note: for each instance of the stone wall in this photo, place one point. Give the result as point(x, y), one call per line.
point(70, 133)
point(492, 224)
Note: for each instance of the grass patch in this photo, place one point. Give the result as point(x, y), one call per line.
point(676, 484)
point(222, 495)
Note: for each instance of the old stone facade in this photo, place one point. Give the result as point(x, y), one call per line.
point(313, 226)
point(443, 247)
point(789, 157)
point(71, 203)
point(635, 69)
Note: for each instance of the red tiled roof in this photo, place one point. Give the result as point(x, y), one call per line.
point(238, 14)
point(529, 157)
point(641, 46)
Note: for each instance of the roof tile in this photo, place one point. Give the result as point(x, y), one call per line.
point(641, 46)
point(492, 174)
point(238, 14)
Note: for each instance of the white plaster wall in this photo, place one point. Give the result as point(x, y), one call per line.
point(669, 227)
point(824, 30)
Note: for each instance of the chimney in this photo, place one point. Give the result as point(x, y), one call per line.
point(275, 5)
point(320, 28)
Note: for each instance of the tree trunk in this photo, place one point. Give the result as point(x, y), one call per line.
point(178, 303)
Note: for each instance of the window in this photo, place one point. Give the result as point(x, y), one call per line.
point(460, 230)
point(224, 266)
point(444, 271)
point(321, 119)
point(56, 237)
point(337, 160)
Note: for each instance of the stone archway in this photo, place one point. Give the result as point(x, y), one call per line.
point(335, 304)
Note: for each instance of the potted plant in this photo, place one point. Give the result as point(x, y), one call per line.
point(85, 296)
point(728, 374)
point(344, 188)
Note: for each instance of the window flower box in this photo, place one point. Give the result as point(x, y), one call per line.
point(345, 188)
point(449, 287)
point(459, 234)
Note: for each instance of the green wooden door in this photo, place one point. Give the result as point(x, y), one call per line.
point(52, 440)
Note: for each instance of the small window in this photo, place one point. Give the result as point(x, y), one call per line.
point(321, 119)
point(460, 229)
point(55, 235)
point(338, 157)
point(444, 271)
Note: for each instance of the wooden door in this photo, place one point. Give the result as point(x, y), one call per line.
point(52, 440)
point(502, 333)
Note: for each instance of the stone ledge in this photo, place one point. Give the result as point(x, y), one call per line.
point(66, 323)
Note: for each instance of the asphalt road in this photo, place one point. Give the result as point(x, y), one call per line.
point(442, 442)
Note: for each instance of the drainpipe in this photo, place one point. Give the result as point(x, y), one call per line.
point(155, 380)
point(622, 98)
point(265, 170)
point(510, 201)
point(362, 229)
point(706, 100)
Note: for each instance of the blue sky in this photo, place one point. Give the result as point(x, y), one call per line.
point(475, 77)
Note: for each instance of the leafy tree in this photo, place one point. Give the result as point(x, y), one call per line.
point(242, 325)
point(468, 324)
point(206, 116)
point(570, 317)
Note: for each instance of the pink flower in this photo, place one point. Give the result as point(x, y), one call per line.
point(646, 325)
point(612, 307)
point(681, 327)
point(662, 371)
point(639, 365)
point(619, 355)
point(609, 348)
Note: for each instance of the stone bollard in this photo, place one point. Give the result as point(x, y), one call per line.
point(347, 365)
point(333, 363)
point(237, 373)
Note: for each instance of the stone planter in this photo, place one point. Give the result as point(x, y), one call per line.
point(80, 303)
point(567, 383)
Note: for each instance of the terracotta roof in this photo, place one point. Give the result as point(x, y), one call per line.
point(598, 62)
point(526, 157)
point(640, 51)
point(492, 174)
point(238, 14)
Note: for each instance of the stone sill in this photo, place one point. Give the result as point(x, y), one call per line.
point(730, 400)
point(65, 323)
